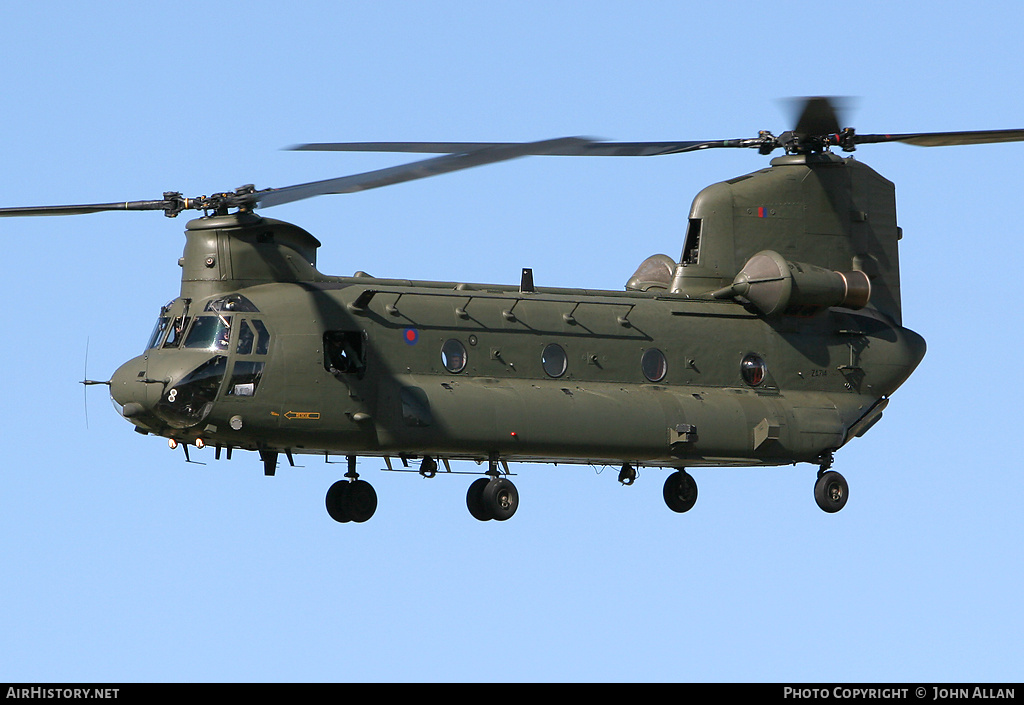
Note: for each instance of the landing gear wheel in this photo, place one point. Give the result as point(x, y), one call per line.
point(362, 501)
point(680, 491)
point(831, 491)
point(501, 498)
point(337, 501)
point(475, 500)
point(351, 501)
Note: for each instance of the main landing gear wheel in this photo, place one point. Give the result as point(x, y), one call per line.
point(362, 501)
point(831, 491)
point(680, 491)
point(337, 501)
point(475, 499)
point(492, 498)
point(351, 501)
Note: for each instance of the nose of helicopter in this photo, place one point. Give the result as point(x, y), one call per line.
point(129, 389)
point(156, 391)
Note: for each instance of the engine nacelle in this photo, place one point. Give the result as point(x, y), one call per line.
point(774, 285)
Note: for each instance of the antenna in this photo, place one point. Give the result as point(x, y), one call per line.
point(86, 382)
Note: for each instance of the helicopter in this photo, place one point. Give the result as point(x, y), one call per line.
point(775, 338)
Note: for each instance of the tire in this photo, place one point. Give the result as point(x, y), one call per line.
point(475, 500)
point(680, 491)
point(362, 501)
point(337, 501)
point(831, 492)
point(501, 499)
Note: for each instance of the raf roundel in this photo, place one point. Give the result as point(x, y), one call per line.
point(410, 336)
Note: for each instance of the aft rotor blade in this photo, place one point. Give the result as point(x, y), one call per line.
point(464, 159)
point(585, 148)
point(944, 139)
point(817, 117)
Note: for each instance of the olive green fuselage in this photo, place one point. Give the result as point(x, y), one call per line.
point(309, 363)
point(824, 374)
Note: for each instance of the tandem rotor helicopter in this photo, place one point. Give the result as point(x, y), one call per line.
point(774, 338)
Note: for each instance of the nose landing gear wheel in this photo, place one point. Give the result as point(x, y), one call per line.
point(831, 491)
point(680, 491)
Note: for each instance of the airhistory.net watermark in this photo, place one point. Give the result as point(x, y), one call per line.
point(48, 693)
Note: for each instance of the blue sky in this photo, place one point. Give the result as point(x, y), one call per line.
point(122, 563)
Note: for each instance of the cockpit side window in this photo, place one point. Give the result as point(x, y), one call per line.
point(253, 337)
point(245, 339)
point(262, 337)
point(245, 378)
point(158, 332)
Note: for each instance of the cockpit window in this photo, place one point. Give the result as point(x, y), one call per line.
point(245, 339)
point(262, 338)
point(234, 302)
point(245, 378)
point(177, 332)
point(189, 401)
point(248, 339)
point(209, 333)
point(158, 332)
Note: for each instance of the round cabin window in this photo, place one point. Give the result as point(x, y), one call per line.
point(754, 369)
point(554, 361)
point(453, 356)
point(654, 364)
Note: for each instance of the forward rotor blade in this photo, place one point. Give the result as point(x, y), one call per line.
point(945, 139)
point(586, 148)
point(416, 147)
point(415, 170)
point(91, 208)
point(247, 197)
